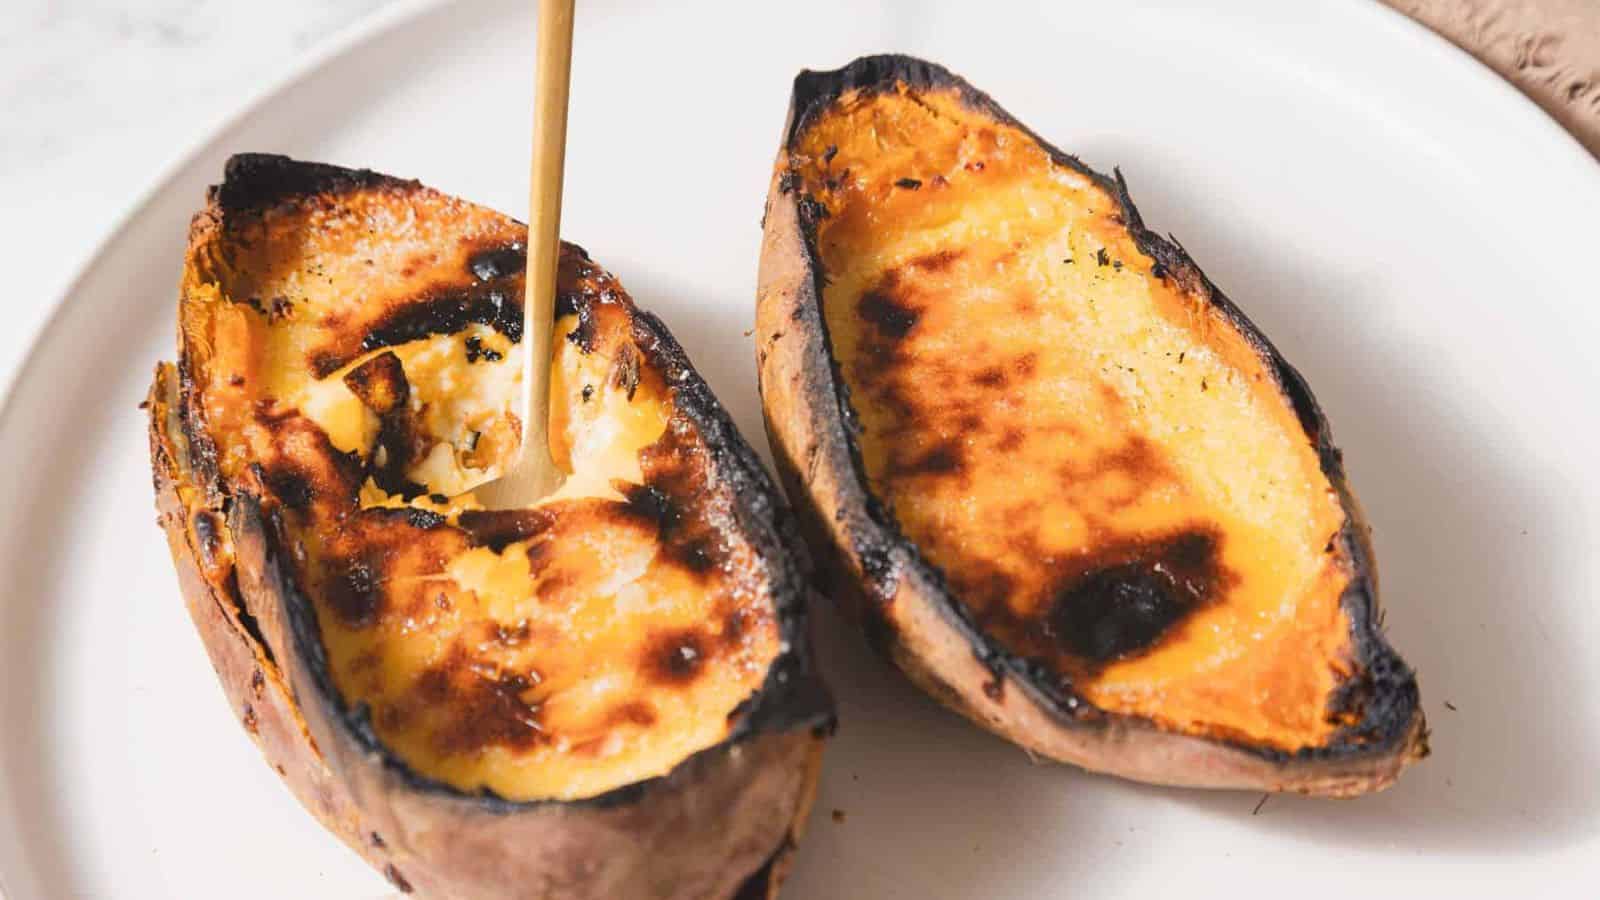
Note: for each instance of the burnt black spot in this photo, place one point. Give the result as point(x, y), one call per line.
point(404, 488)
point(680, 660)
point(377, 840)
point(588, 393)
point(649, 503)
point(485, 707)
point(325, 362)
point(512, 636)
point(878, 564)
point(251, 723)
point(253, 182)
point(830, 153)
point(1101, 257)
point(625, 371)
point(280, 308)
point(995, 689)
point(788, 181)
point(582, 335)
point(395, 878)
point(943, 459)
point(892, 319)
point(675, 657)
point(685, 539)
point(812, 211)
point(380, 383)
point(208, 533)
point(1116, 611)
point(696, 555)
point(1122, 608)
point(425, 519)
point(258, 682)
point(289, 485)
point(569, 302)
point(498, 262)
point(476, 351)
point(909, 184)
point(499, 528)
point(352, 592)
point(1158, 270)
point(497, 304)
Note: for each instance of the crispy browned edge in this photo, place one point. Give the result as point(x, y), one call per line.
point(724, 822)
point(902, 600)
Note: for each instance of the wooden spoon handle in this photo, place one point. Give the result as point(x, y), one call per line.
point(534, 475)
point(554, 67)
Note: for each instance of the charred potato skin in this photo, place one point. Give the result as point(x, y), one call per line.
point(903, 602)
point(722, 823)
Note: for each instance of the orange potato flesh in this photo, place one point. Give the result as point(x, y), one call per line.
point(552, 653)
point(1049, 415)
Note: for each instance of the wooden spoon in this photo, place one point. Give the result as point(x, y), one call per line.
point(534, 474)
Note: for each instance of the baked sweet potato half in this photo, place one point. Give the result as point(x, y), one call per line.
point(1063, 481)
point(608, 694)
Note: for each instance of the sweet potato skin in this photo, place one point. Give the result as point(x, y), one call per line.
point(249, 676)
point(699, 832)
point(722, 823)
point(903, 602)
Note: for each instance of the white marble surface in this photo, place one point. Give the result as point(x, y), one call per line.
point(98, 96)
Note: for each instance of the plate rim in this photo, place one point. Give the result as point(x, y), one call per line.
point(1545, 141)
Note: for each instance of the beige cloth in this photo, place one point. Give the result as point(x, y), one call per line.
point(1548, 48)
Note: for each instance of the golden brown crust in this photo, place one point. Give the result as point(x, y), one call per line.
point(907, 606)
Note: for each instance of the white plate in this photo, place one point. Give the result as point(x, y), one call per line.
point(1418, 239)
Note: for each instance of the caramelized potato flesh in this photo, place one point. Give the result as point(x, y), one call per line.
point(1101, 464)
point(355, 360)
